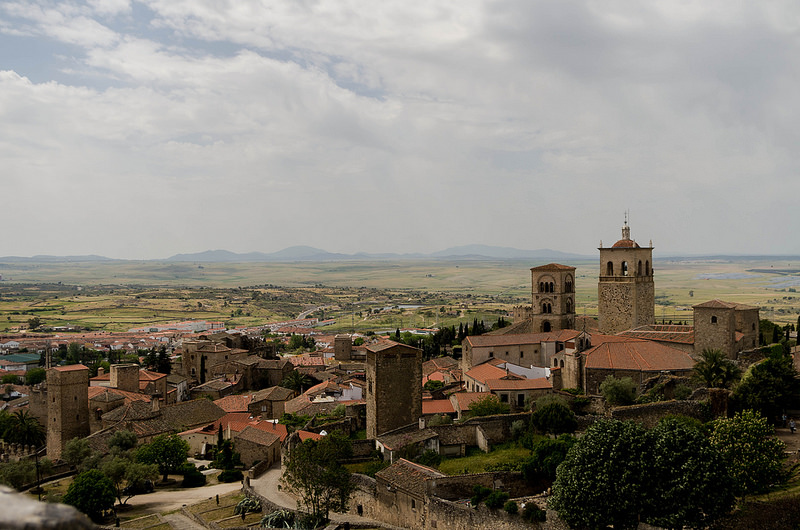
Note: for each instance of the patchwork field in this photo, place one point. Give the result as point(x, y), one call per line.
point(119, 295)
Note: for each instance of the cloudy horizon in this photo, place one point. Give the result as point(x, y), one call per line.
point(144, 129)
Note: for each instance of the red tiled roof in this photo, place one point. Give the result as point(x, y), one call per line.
point(437, 406)
point(484, 372)
point(95, 391)
point(721, 304)
point(634, 354)
point(524, 338)
point(306, 435)
point(464, 399)
point(70, 368)
point(626, 243)
point(234, 403)
point(553, 266)
point(278, 429)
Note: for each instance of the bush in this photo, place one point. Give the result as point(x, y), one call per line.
point(479, 493)
point(533, 514)
point(247, 505)
point(553, 415)
point(374, 467)
point(192, 477)
point(430, 458)
point(682, 392)
point(511, 507)
point(618, 391)
point(230, 475)
point(496, 499)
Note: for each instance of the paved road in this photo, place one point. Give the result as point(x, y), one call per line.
point(267, 486)
point(166, 501)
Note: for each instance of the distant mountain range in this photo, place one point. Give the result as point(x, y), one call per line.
point(304, 253)
point(311, 254)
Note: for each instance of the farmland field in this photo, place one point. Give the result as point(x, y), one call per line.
point(118, 295)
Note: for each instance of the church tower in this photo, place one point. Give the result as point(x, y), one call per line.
point(625, 290)
point(552, 298)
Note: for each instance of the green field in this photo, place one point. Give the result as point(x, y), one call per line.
point(119, 295)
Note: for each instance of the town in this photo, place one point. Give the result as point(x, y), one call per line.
point(525, 422)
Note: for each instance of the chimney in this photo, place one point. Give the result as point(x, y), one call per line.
point(101, 371)
point(155, 403)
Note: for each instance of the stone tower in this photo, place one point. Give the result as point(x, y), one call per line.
point(394, 387)
point(125, 377)
point(342, 347)
point(552, 297)
point(67, 406)
point(625, 290)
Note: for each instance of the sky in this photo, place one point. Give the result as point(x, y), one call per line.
point(143, 129)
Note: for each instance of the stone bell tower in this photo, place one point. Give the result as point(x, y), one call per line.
point(625, 290)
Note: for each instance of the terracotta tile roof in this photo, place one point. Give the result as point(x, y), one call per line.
point(188, 414)
point(626, 243)
point(405, 438)
point(104, 394)
point(553, 267)
point(519, 339)
point(70, 368)
point(485, 371)
point(273, 393)
point(257, 436)
point(721, 304)
point(437, 406)
point(306, 360)
point(278, 429)
point(134, 411)
point(234, 403)
point(540, 383)
point(676, 334)
point(464, 399)
point(147, 375)
point(634, 354)
point(408, 476)
point(306, 435)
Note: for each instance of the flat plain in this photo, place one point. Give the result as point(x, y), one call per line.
point(118, 295)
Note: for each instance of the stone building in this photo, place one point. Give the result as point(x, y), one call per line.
point(67, 406)
point(524, 349)
point(342, 347)
point(727, 326)
point(552, 297)
point(394, 387)
point(625, 290)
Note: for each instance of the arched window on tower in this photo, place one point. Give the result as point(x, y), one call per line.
point(569, 305)
point(639, 268)
point(552, 287)
point(541, 287)
point(624, 268)
point(568, 284)
point(545, 326)
point(561, 362)
point(647, 268)
point(549, 308)
point(610, 269)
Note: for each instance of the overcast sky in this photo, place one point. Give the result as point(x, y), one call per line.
point(142, 129)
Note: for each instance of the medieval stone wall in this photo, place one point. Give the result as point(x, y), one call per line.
point(649, 414)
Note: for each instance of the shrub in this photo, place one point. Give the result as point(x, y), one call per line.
point(430, 458)
point(496, 499)
point(247, 505)
point(192, 477)
point(682, 392)
point(618, 391)
point(553, 415)
point(479, 493)
point(511, 507)
point(533, 514)
point(230, 475)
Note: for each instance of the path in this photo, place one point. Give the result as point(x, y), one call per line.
point(178, 521)
point(167, 501)
point(267, 486)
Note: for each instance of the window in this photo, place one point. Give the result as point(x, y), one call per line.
point(569, 305)
point(555, 363)
point(562, 363)
point(413, 504)
point(647, 268)
point(639, 269)
point(491, 354)
point(609, 269)
point(545, 326)
point(624, 268)
point(503, 398)
point(552, 287)
point(713, 319)
point(520, 400)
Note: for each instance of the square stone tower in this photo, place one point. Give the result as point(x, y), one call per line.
point(125, 377)
point(67, 406)
point(552, 297)
point(394, 387)
point(625, 290)
point(342, 347)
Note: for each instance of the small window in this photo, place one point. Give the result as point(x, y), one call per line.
point(491, 354)
point(520, 400)
point(503, 398)
point(624, 268)
point(610, 269)
point(413, 504)
point(714, 319)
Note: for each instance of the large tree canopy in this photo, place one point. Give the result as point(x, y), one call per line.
point(769, 387)
point(168, 451)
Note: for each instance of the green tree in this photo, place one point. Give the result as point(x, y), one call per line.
point(9, 379)
point(601, 481)
point(312, 469)
point(35, 376)
point(76, 451)
point(546, 456)
point(769, 387)
point(25, 429)
point(163, 363)
point(688, 481)
point(122, 440)
point(168, 451)
point(297, 381)
point(553, 415)
point(433, 384)
point(488, 406)
point(127, 476)
point(34, 322)
point(714, 370)
point(92, 493)
point(618, 391)
point(749, 450)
